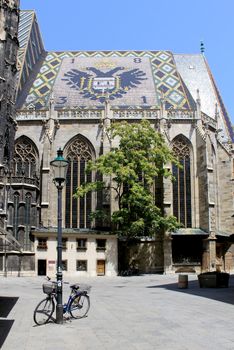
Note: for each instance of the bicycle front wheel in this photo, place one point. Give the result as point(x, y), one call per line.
point(79, 306)
point(43, 311)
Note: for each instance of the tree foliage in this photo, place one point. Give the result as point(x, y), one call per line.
point(134, 166)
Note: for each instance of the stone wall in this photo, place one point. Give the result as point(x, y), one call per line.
point(9, 18)
point(145, 255)
point(225, 188)
point(202, 183)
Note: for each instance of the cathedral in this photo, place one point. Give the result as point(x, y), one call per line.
point(66, 100)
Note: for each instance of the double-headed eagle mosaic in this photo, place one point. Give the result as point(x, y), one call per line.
point(96, 84)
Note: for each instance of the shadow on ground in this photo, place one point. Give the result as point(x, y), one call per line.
point(5, 326)
point(6, 305)
point(225, 295)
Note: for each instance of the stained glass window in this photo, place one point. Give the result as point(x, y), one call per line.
point(182, 183)
point(77, 211)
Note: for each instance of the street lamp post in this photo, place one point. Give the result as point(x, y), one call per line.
point(59, 166)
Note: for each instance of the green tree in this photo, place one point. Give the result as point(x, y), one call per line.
point(133, 167)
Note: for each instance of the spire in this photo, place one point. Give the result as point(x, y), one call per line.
point(216, 112)
point(51, 102)
point(198, 100)
point(202, 48)
point(198, 104)
point(162, 102)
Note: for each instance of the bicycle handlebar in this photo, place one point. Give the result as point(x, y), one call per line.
point(49, 279)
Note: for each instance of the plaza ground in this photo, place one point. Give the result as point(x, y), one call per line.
point(127, 313)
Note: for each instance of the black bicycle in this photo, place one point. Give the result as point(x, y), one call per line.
point(77, 306)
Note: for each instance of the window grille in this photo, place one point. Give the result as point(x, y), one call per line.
point(64, 265)
point(42, 243)
point(81, 265)
point(64, 243)
point(101, 244)
point(81, 244)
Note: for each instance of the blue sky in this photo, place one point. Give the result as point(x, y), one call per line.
point(178, 26)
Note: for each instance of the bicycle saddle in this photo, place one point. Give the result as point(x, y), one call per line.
point(74, 286)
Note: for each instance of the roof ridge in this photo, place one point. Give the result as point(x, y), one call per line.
point(227, 120)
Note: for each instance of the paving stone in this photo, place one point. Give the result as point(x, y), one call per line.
point(143, 312)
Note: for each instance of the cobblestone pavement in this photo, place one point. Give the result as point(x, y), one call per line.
point(127, 313)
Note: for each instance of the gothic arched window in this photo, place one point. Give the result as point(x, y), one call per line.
point(28, 202)
point(16, 214)
point(28, 220)
point(182, 181)
point(25, 158)
point(77, 211)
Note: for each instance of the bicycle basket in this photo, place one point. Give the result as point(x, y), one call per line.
point(80, 287)
point(49, 288)
point(85, 288)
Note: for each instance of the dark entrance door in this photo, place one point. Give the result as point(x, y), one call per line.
point(41, 267)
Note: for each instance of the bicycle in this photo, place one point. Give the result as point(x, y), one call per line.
point(77, 305)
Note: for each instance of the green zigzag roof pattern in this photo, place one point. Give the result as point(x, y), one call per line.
point(166, 78)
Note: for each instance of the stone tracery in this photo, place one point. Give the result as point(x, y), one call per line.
point(182, 184)
point(78, 211)
point(25, 159)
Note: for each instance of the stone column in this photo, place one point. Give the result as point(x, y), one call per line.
point(211, 240)
point(48, 193)
point(106, 146)
point(9, 18)
point(167, 207)
point(167, 250)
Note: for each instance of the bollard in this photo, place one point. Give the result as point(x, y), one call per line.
point(183, 281)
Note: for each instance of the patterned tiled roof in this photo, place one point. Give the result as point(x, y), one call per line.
point(78, 78)
point(166, 79)
point(31, 49)
point(25, 24)
point(222, 107)
point(196, 74)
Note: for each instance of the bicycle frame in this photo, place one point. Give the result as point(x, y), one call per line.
point(77, 305)
point(66, 306)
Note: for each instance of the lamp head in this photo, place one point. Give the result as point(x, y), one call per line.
point(59, 166)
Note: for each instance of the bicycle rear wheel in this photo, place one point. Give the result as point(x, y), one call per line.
point(79, 306)
point(43, 311)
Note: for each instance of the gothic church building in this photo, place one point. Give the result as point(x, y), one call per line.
point(67, 100)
